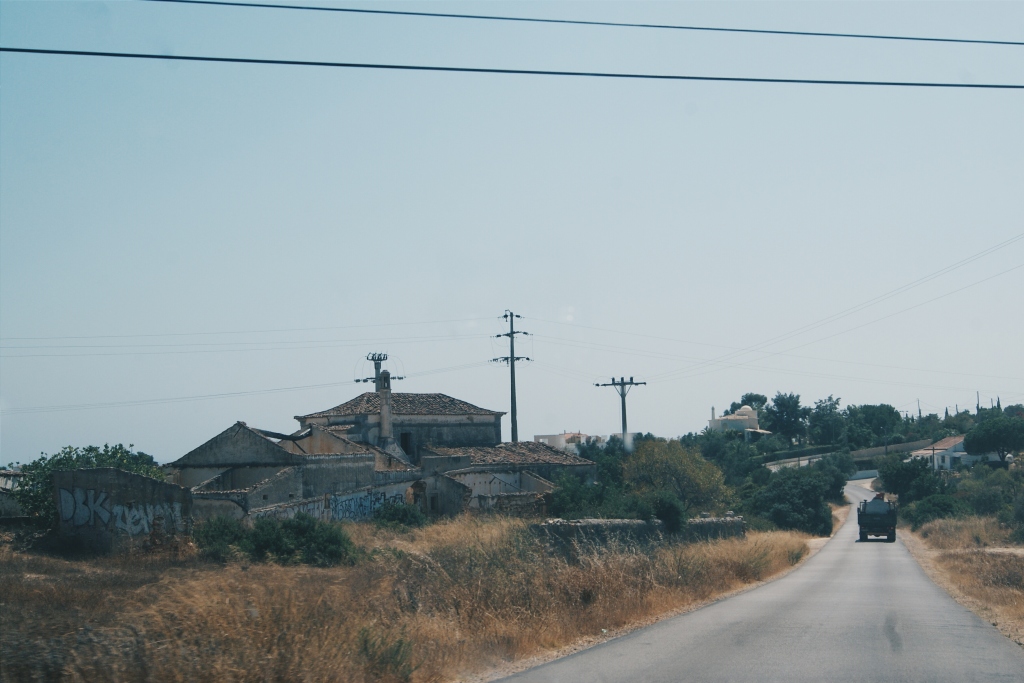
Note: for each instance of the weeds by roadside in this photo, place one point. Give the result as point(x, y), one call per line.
point(422, 604)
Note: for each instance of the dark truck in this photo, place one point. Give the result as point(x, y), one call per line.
point(877, 517)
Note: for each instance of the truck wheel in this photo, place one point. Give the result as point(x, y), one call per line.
point(891, 538)
point(863, 536)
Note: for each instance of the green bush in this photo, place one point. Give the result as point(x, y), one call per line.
point(664, 506)
point(300, 539)
point(399, 515)
point(795, 498)
point(936, 506)
point(216, 537)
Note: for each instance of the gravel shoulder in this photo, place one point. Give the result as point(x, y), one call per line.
point(928, 558)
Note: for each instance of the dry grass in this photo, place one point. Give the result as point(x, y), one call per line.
point(427, 605)
point(964, 534)
point(973, 560)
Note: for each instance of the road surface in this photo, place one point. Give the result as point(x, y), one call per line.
point(855, 612)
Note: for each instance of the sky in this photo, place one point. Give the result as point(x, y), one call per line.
point(186, 245)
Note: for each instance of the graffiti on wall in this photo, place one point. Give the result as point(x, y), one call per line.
point(88, 507)
point(336, 507)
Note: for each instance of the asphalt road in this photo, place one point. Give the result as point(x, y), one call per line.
point(854, 612)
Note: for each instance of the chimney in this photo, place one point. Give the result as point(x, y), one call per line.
point(385, 408)
point(712, 412)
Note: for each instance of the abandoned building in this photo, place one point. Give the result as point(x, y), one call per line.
point(404, 423)
point(430, 450)
point(345, 462)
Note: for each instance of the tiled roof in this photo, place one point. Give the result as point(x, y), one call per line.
point(404, 404)
point(939, 446)
point(520, 453)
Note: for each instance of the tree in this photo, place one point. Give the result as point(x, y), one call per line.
point(794, 498)
point(35, 492)
point(667, 466)
point(786, 416)
point(825, 424)
point(755, 401)
point(911, 480)
point(1000, 435)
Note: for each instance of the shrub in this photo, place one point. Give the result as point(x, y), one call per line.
point(300, 539)
point(399, 515)
point(664, 506)
point(216, 537)
point(794, 498)
point(938, 506)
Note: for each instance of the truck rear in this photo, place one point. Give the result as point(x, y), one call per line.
point(877, 517)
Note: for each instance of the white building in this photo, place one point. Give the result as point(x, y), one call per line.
point(567, 441)
point(743, 420)
point(949, 453)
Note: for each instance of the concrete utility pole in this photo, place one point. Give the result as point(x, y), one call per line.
point(511, 359)
point(376, 359)
point(623, 387)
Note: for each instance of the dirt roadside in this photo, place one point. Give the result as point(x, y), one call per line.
point(945, 579)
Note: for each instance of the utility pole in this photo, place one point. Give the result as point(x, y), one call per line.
point(511, 359)
point(376, 359)
point(622, 387)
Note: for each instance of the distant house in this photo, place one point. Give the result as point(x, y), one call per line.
point(949, 453)
point(743, 420)
point(567, 441)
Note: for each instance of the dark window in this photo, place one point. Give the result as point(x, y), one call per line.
point(433, 502)
point(406, 442)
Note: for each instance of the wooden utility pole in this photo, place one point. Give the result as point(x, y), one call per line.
point(622, 387)
point(511, 359)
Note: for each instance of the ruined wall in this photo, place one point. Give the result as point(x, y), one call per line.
point(352, 505)
point(105, 507)
point(337, 474)
point(283, 487)
point(191, 476)
point(708, 528)
point(528, 481)
point(240, 478)
point(512, 504)
point(445, 463)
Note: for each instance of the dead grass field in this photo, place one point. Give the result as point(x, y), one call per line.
point(426, 605)
point(975, 562)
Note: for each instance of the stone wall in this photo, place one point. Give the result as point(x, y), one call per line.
point(353, 505)
point(105, 508)
point(708, 528)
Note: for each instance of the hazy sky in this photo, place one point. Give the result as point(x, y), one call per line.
point(178, 230)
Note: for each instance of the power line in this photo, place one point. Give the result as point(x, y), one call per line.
point(861, 306)
point(683, 371)
point(269, 347)
point(270, 331)
point(582, 22)
point(512, 72)
point(204, 397)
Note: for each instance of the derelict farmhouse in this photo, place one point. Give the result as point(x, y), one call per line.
point(430, 450)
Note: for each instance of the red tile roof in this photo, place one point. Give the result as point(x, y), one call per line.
point(520, 453)
point(403, 404)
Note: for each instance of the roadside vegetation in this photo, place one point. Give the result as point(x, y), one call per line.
point(412, 603)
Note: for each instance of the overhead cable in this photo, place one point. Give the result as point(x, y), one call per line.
point(513, 72)
point(583, 22)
